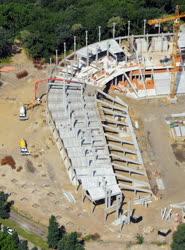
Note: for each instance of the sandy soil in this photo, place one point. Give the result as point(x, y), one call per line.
point(38, 191)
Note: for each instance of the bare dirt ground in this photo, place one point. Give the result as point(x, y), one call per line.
point(38, 188)
point(160, 152)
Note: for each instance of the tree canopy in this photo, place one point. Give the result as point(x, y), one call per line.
point(4, 206)
point(53, 232)
point(59, 239)
point(179, 238)
point(7, 242)
point(42, 26)
point(70, 242)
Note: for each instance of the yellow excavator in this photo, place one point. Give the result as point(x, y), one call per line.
point(175, 48)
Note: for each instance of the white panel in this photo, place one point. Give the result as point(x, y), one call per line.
point(182, 130)
point(141, 93)
point(162, 83)
point(151, 92)
point(141, 45)
point(177, 131)
point(181, 82)
point(182, 40)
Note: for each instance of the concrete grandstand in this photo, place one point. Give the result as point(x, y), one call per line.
point(93, 130)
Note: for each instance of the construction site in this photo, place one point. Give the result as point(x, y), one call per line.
point(97, 138)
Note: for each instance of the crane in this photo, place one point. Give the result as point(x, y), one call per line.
point(175, 50)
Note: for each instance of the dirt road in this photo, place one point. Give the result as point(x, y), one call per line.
point(29, 225)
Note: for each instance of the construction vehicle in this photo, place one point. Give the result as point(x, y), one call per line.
point(33, 104)
point(23, 109)
point(175, 49)
point(23, 147)
point(23, 113)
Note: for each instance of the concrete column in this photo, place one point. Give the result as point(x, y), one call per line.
point(128, 28)
point(99, 33)
point(113, 30)
point(86, 39)
point(56, 57)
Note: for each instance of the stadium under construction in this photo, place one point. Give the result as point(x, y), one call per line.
point(93, 130)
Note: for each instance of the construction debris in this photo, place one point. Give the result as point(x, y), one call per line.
point(176, 123)
point(144, 201)
point(166, 213)
point(22, 74)
point(160, 184)
point(69, 197)
point(180, 205)
point(8, 160)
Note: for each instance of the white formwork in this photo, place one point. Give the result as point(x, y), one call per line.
point(162, 83)
point(159, 44)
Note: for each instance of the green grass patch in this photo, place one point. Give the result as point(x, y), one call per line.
point(17, 211)
point(35, 239)
point(6, 60)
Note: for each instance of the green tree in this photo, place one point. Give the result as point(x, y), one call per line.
point(4, 206)
point(119, 24)
point(70, 242)
point(44, 25)
point(45, 3)
point(23, 245)
point(76, 29)
point(5, 44)
point(15, 237)
point(7, 242)
point(34, 248)
point(53, 232)
point(179, 238)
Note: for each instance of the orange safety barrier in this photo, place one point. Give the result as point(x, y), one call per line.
point(139, 85)
point(149, 83)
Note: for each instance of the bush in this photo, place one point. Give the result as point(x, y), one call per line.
point(139, 239)
point(70, 242)
point(89, 237)
point(4, 206)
